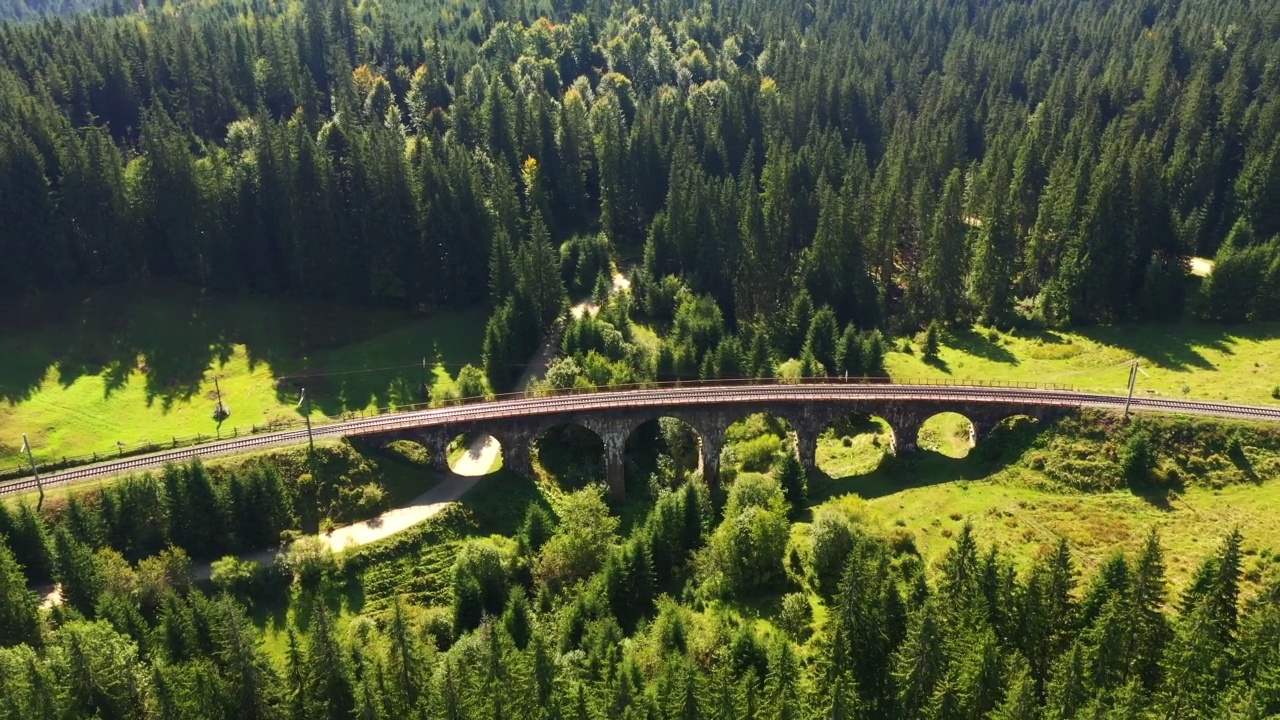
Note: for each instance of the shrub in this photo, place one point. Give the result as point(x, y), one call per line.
point(831, 542)
point(1235, 449)
point(1275, 392)
point(563, 373)
point(753, 490)
point(472, 384)
point(233, 575)
point(796, 616)
point(582, 541)
point(479, 584)
point(758, 454)
point(795, 485)
point(1137, 459)
point(309, 559)
point(437, 624)
point(366, 500)
point(745, 552)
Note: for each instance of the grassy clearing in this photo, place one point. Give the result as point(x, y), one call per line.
point(1208, 362)
point(1066, 482)
point(134, 366)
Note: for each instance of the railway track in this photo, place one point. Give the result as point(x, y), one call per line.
point(660, 397)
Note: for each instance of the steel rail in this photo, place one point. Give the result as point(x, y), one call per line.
point(564, 404)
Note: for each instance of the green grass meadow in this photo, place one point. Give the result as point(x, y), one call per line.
point(1191, 360)
point(138, 367)
point(1064, 483)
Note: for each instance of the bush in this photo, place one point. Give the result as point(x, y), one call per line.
point(472, 384)
point(796, 616)
point(309, 559)
point(758, 454)
point(563, 373)
point(365, 501)
point(233, 575)
point(745, 552)
point(754, 490)
point(1235, 449)
point(582, 541)
point(1275, 392)
point(479, 584)
point(1137, 458)
point(795, 485)
point(831, 542)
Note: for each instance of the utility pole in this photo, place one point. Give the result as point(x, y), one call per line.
point(1133, 381)
point(422, 384)
point(34, 472)
point(311, 444)
point(220, 411)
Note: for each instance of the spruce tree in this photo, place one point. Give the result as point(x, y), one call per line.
point(19, 617)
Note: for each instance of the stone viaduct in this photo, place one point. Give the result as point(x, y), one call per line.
point(614, 425)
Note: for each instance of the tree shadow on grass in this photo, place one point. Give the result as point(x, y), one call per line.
point(938, 364)
point(1177, 346)
point(1004, 447)
point(974, 343)
point(347, 357)
point(498, 503)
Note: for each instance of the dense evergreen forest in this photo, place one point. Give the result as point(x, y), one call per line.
point(569, 620)
point(902, 161)
point(17, 10)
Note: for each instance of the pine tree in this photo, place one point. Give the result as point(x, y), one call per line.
point(406, 663)
point(76, 573)
point(1150, 626)
point(939, 290)
point(991, 278)
point(327, 685)
point(1020, 702)
point(821, 338)
point(515, 618)
point(19, 617)
point(919, 664)
point(795, 485)
point(849, 352)
point(932, 342)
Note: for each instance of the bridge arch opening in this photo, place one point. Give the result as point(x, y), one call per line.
point(854, 445)
point(756, 443)
point(569, 455)
point(661, 453)
point(473, 454)
point(949, 434)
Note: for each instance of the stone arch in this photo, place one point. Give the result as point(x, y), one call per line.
point(585, 441)
point(708, 439)
point(473, 453)
point(948, 432)
point(855, 443)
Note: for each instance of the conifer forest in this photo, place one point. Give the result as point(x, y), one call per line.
point(777, 180)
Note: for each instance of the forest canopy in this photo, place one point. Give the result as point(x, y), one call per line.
point(903, 162)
